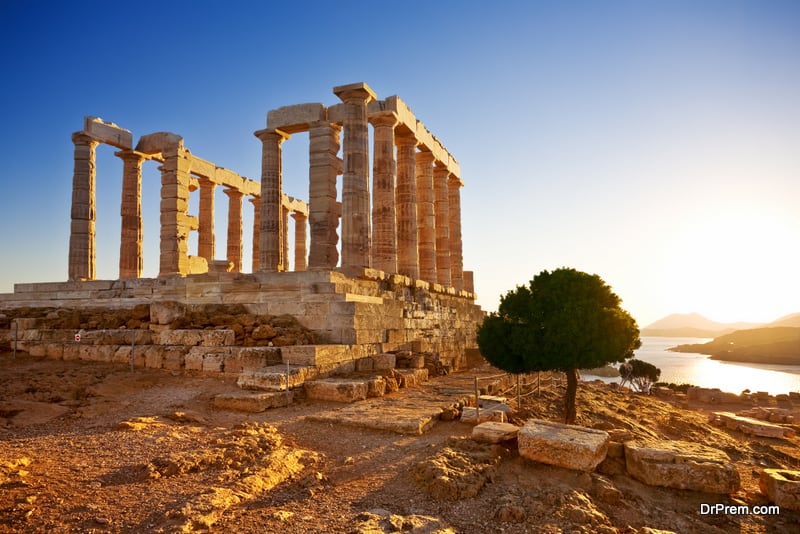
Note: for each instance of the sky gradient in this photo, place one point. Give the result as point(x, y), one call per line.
point(656, 144)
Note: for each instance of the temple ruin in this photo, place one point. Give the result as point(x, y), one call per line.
point(371, 275)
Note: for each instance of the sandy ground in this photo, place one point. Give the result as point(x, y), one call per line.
point(100, 448)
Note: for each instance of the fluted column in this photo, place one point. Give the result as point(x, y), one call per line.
point(426, 221)
point(256, 227)
point(324, 166)
point(285, 237)
point(454, 185)
point(384, 172)
point(206, 239)
point(131, 262)
point(83, 215)
point(406, 196)
point(174, 204)
point(270, 250)
point(300, 220)
point(442, 208)
point(234, 243)
point(355, 182)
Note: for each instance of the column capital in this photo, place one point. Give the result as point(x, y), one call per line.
point(232, 192)
point(425, 157)
point(83, 138)
point(440, 169)
point(403, 137)
point(355, 92)
point(455, 181)
point(298, 216)
point(386, 119)
point(278, 136)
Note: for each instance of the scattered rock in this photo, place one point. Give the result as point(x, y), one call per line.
point(459, 470)
point(569, 446)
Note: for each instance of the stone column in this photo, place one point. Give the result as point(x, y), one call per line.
point(406, 197)
point(256, 226)
point(270, 250)
point(384, 172)
point(426, 220)
point(285, 237)
point(324, 167)
point(206, 240)
point(131, 262)
point(83, 215)
point(442, 208)
point(299, 240)
point(234, 243)
point(355, 182)
point(454, 185)
point(174, 219)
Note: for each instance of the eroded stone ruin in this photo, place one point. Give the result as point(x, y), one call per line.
point(398, 288)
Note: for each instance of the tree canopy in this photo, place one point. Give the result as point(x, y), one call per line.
point(562, 320)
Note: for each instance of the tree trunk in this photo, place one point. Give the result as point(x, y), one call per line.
point(569, 396)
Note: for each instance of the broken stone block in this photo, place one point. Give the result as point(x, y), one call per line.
point(681, 465)
point(470, 415)
point(384, 361)
point(570, 446)
point(376, 387)
point(273, 378)
point(213, 363)
point(782, 486)
point(247, 401)
point(337, 390)
point(494, 432)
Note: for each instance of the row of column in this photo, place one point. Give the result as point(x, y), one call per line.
point(175, 222)
point(414, 227)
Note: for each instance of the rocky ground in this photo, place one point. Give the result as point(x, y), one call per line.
point(98, 448)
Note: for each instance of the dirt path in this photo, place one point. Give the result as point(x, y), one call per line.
point(98, 448)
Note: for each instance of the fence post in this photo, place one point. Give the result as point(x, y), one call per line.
point(288, 399)
point(16, 331)
point(538, 383)
point(519, 392)
point(133, 346)
point(477, 403)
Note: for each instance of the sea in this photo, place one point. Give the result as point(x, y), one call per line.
point(700, 370)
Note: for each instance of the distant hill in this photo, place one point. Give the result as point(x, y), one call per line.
point(694, 325)
point(789, 320)
point(776, 345)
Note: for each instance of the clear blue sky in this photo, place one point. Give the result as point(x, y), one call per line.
point(656, 144)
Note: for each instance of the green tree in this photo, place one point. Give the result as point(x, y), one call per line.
point(640, 374)
point(563, 320)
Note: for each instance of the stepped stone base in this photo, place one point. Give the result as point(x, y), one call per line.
point(337, 389)
point(274, 378)
point(782, 486)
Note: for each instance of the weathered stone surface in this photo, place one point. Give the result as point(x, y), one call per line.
point(384, 361)
point(247, 401)
point(411, 377)
point(337, 389)
point(681, 465)
point(782, 486)
point(569, 446)
point(274, 378)
point(107, 132)
point(166, 312)
point(749, 425)
point(376, 387)
point(470, 415)
point(494, 432)
point(205, 338)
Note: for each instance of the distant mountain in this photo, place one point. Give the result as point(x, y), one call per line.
point(774, 345)
point(789, 320)
point(693, 325)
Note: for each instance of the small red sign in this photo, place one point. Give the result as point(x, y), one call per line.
point(77, 337)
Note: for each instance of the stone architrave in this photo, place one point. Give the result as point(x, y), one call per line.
point(406, 202)
point(270, 230)
point(174, 205)
point(234, 243)
point(454, 185)
point(355, 182)
point(570, 446)
point(131, 262)
point(426, 217)
point(681, 465)
point(324, 167)
point(384, 173)
point(442, 209)
point(82, 230)
point(206, 239)
point(256, 226)
point(300, 221)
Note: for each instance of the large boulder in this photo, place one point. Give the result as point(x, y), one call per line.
point(681, 465)
point(782, 486)
point(570, 446)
